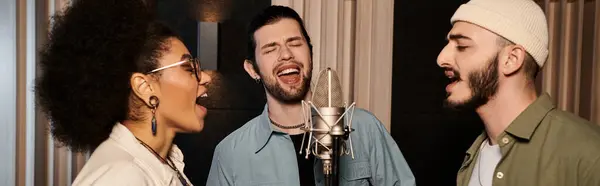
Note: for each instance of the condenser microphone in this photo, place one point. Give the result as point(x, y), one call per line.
point(329, 124)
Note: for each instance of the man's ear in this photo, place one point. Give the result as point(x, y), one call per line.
point(141, 86)
point(514, 60)
point(249, 67)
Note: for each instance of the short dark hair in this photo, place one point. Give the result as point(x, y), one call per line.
point(92, 51)
point(268, 16)
point(530, 67)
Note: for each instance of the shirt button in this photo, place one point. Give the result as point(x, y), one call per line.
point(499, 175)
point(505, 140)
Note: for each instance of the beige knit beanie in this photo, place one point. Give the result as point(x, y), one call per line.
point(520, 21)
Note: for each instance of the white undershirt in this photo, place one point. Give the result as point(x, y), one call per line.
point(485, 165)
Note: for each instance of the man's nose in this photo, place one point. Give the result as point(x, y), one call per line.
point(285, 54)
point(444, 59)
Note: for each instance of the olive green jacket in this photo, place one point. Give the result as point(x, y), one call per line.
point(543, 146)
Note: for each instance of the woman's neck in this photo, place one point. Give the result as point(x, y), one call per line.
point(161, 143)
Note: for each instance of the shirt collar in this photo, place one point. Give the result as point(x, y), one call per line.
point(475, 146)
point(527, 122)
point(264, 130)
point(524, 125)
point(124, 137)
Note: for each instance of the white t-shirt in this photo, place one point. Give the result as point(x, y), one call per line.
point(485, 165)
point(122, 160)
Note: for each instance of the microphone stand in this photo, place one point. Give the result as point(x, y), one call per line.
point(332, 179)
point(331, 166)
point(337, 151)
point(335, 160)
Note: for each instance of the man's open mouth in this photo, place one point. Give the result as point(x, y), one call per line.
point(289, 74)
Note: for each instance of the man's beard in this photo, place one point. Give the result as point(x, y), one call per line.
point(483, 85)
point(295, 96)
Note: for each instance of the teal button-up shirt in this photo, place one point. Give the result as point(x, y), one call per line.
point(258, 154)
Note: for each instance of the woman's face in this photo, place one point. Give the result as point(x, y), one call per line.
point(178, 88)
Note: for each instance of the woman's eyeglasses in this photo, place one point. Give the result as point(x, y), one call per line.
point(194, 63)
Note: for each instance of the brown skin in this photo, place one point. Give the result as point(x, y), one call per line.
point(277, 45)
point(177, 90)
point(468, 47)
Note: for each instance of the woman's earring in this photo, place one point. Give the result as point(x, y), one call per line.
point(257, 79)
point(153, 104)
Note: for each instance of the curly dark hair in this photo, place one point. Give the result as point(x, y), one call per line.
point(93, 49)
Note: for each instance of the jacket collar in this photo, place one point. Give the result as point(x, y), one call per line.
point(122, 136)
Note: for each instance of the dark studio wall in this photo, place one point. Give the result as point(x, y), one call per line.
point(433, 139)
point(234, 98)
